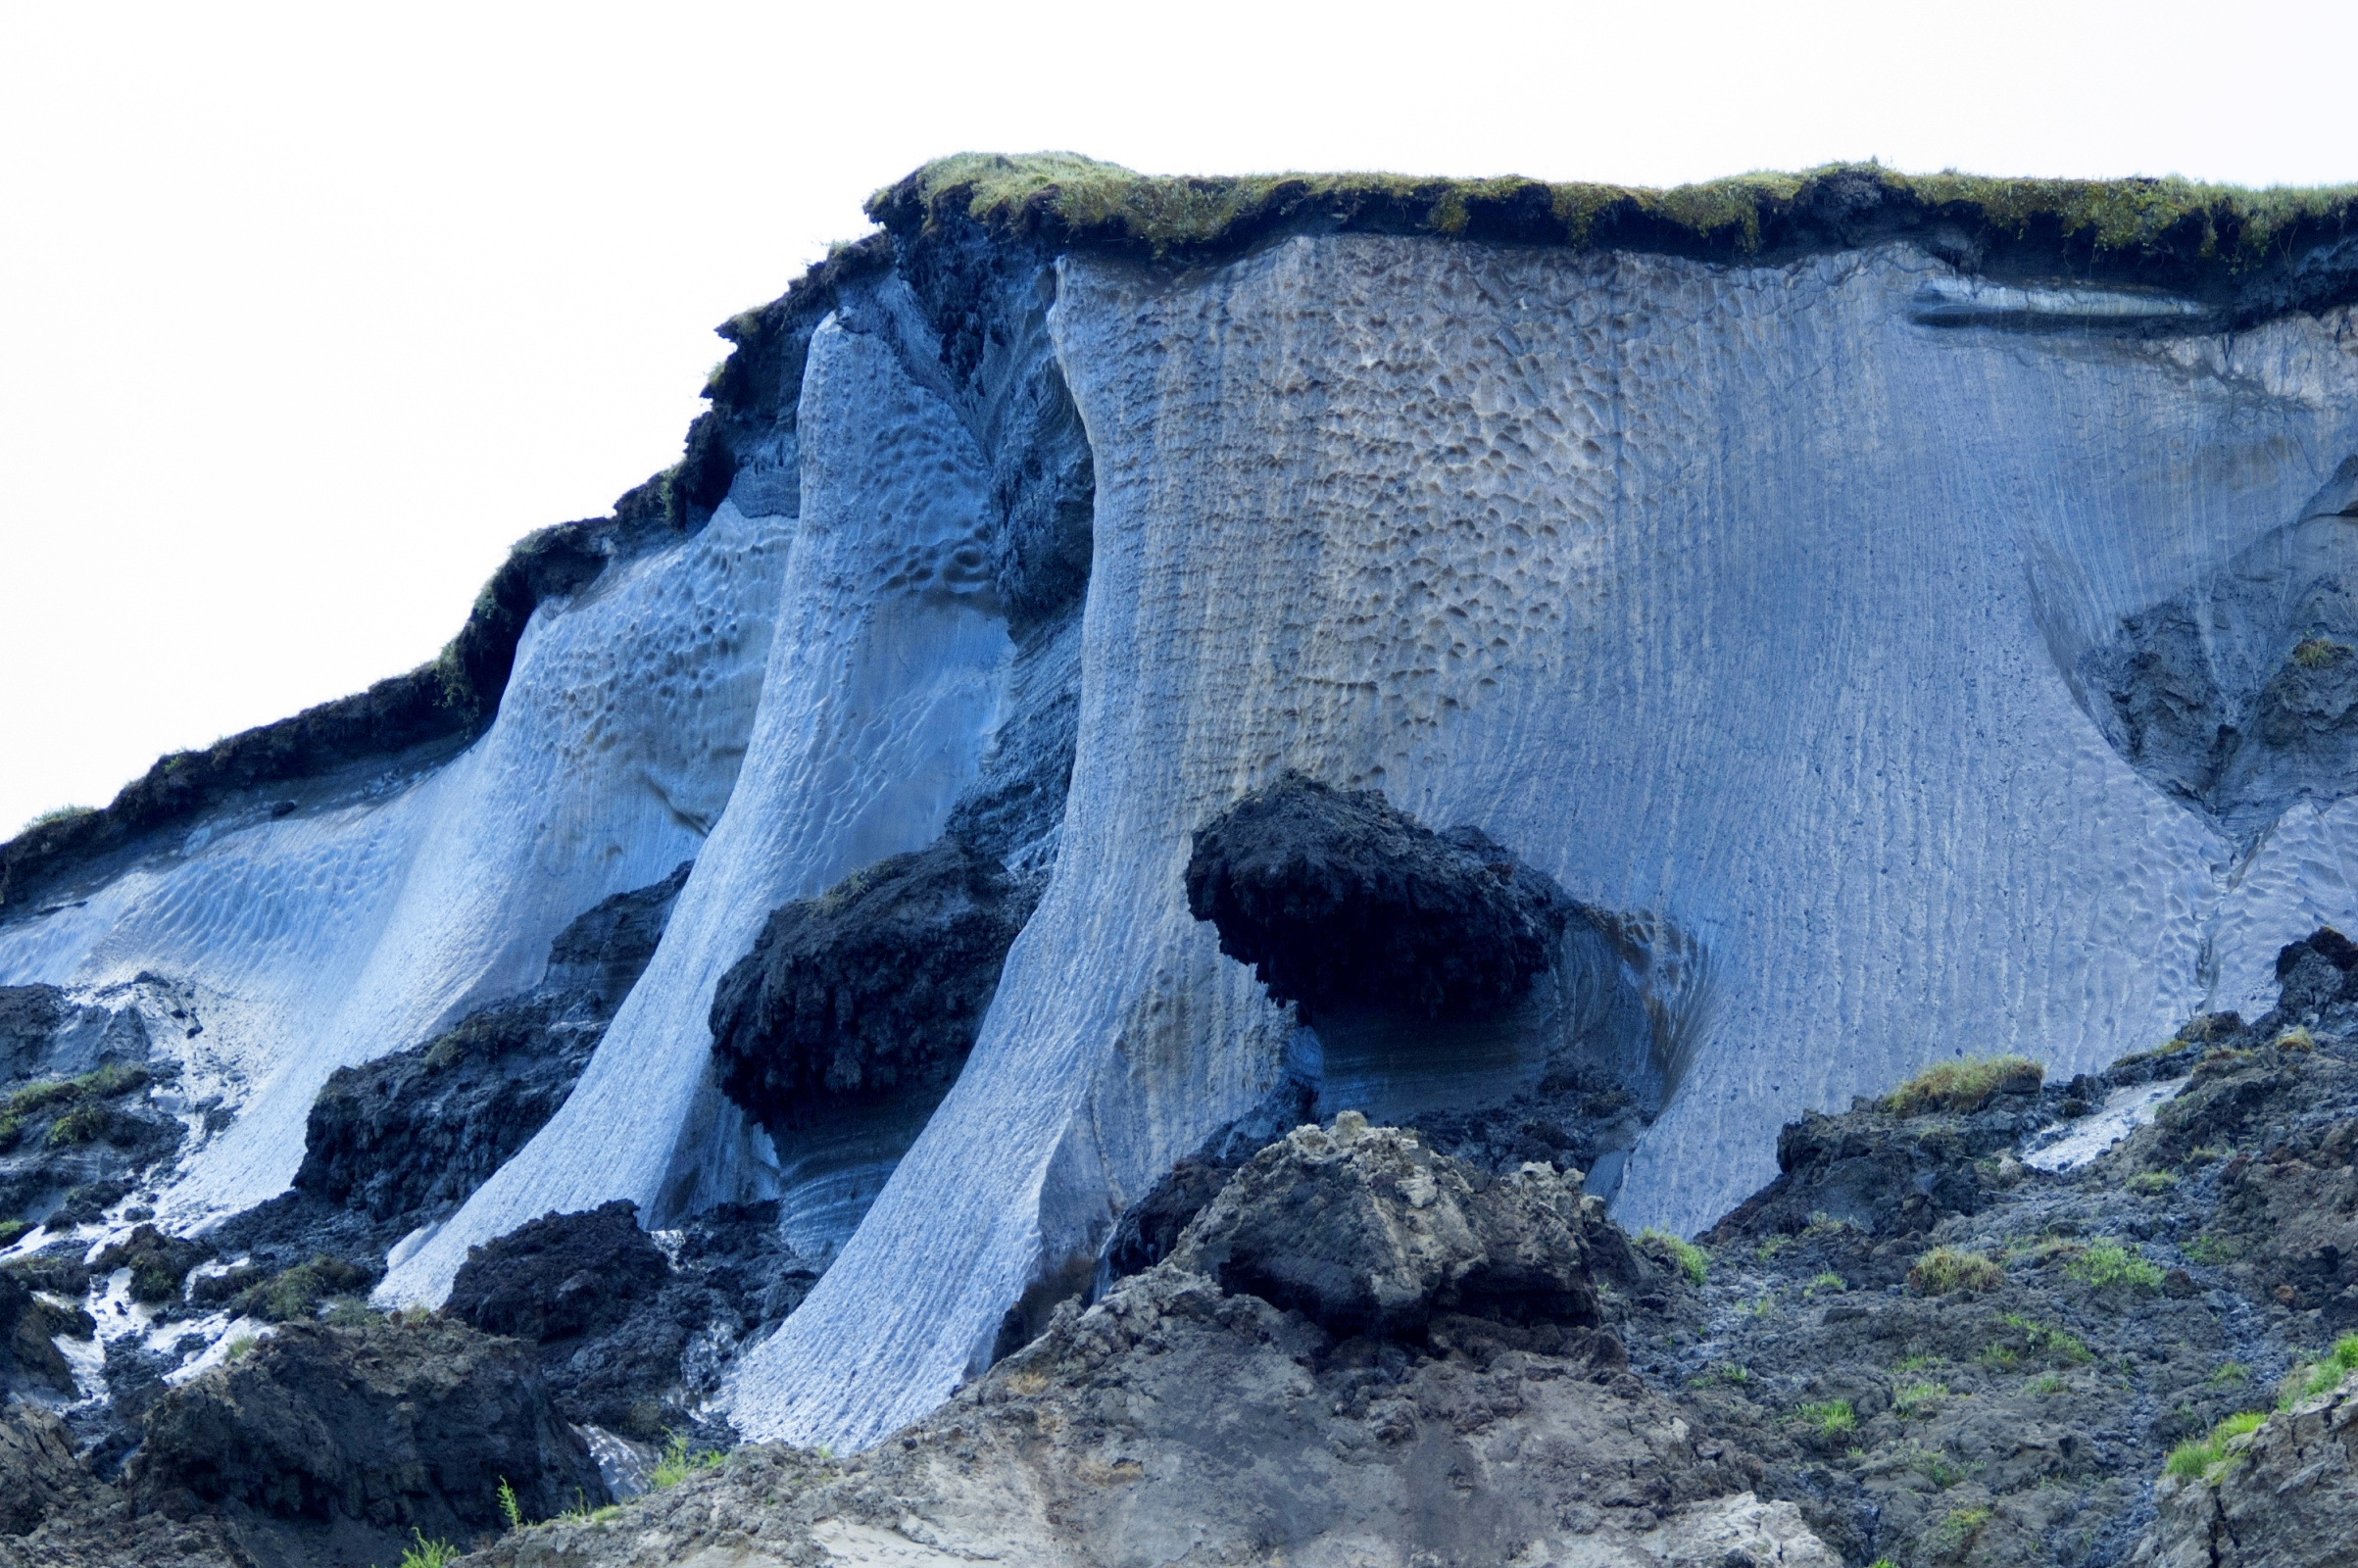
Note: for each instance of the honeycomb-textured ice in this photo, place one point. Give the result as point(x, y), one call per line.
point(1771, 608)
point(1740, 598)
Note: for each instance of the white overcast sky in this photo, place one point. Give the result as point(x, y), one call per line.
point(307, 311)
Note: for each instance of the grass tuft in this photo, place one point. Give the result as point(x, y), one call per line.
point(1832, 1418)
point(1937, 1467)
point(2211, 1250)
point(677, 1463)
point(428, 1554)
point(1964, 1085)
point(299, 1292)
point(1960, 1529)
point(58, 815)
point(1693, 1261)
point(83, 1124)
point(2322, 1376)
point(1946, 1271)
point(2206, 1458)
point(2106, 1264)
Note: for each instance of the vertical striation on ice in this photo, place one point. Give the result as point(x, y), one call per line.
point(1725, 595)
point(1798, 614)
point(355, 928)
point(886, 677)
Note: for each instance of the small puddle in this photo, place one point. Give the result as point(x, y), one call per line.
point(2124, 1111)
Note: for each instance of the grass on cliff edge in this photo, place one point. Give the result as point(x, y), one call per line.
point(1964, 1085)
point(2321, 1376)
point(2209, 1457)
point(1167, 213)
point(1693, 1261)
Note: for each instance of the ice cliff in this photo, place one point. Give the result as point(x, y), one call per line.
point(1914, 616)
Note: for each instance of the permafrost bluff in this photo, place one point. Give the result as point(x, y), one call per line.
point(1129, 666)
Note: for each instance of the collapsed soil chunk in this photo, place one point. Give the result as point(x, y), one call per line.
point(873, 990)
point(78, 1126)
point(1336, 896)
point(1151, 1227)
point(30, 1327)
point(559, 1276)
point(1365, 1232)
point(158, 1262)
point(1181, 1418)
point(409, 1135)
point(37, 1468)
point(628, 1339)
point(1886, 1172)
point(388, 1428)
point(2314, 972)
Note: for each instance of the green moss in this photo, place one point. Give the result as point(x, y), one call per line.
point(1069, 196)
point(40, 1097)
point(83, 1124)
point(2152, 1183)
point(1964, 1085)
point(58, 816)
point(2320, 652)
point(1918, 1400)
point(1828, 1280)
point(2106, 1264)
point(104, 1084)
point(11, 1229)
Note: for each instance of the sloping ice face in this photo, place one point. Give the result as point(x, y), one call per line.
point(1751, 599)
point(358, 927)
point(886, 676)
point(1850, 620)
